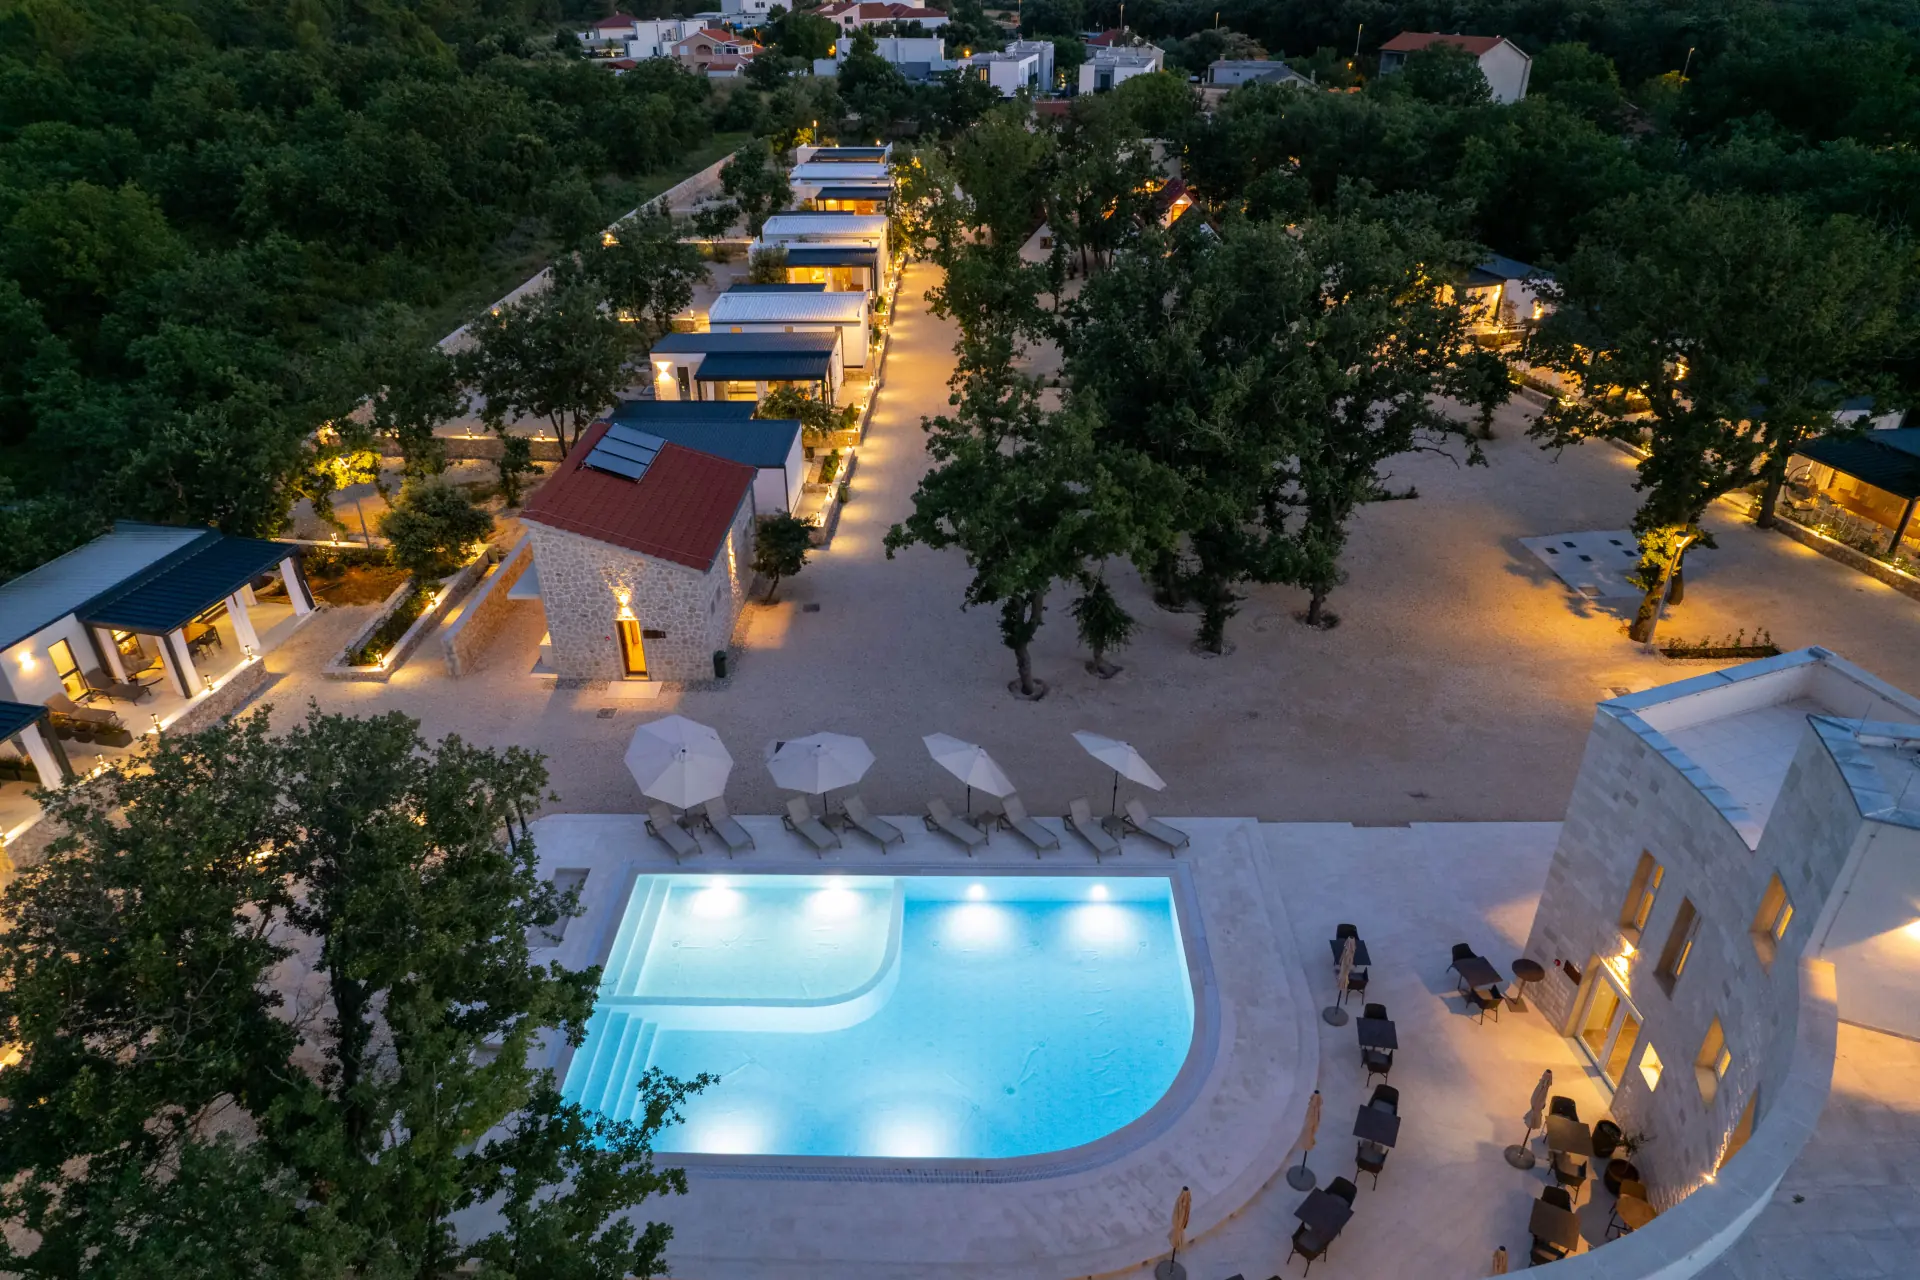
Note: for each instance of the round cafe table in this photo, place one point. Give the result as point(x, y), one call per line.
point(1525, 972)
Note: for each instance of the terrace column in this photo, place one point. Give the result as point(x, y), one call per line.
point(178, 660)
point(296, 587)
point(242, 624)
point(110, 653)
point(48, 760)
point(1900, 530)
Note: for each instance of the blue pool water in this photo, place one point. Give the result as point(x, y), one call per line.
point(919, 1016)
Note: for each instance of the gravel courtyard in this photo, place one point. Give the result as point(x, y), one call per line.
point(1458, 686)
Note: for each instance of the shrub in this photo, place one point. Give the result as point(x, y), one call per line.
point(780, 547)
point(388, 633)
point(431, 529)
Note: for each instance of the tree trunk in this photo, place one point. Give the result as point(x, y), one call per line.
point(1678, 591)
point(1023, 663)
point(1168, 591)
point(773, 587)
point(1770, 496)
point(1316, 603)
point(1642, 628)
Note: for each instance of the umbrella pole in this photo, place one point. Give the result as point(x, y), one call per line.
point(969, 799)
point(1113, 805)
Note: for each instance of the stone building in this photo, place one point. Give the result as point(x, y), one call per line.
point(1727, 836)
point(643, 551)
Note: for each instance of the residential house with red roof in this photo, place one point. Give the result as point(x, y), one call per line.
point(1501, 62)
point(716, 54)
point(850, 15)
point(643, 550)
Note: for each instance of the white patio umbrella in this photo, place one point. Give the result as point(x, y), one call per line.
point(1122, 759)
point(678, 761)
point(969, 763)
point(819, 762)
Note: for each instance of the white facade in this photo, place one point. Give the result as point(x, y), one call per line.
point(746, 8)
point(1107, 69)
point(1023, 64)
point(655, 37)
point(865, 229)
point(796, 312)
point(894, 50)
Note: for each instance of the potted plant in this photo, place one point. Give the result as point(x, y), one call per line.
point(1621, 1168)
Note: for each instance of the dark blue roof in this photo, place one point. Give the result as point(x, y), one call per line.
point(1887, 460)
point(644, 413)
point(756, 442)
point(15, 716)
point(764, 366)
point(875, 192)
point(1505, 268)
point(809, 342)
point(171, 593)
point(832, 255)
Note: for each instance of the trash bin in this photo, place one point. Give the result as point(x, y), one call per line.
point(719, 664)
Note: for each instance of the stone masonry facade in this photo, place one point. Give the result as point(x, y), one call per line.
point(685, 614)
point(1632, 797)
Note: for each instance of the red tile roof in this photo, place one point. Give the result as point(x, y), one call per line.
point(615, 20)
point(1106, 39)
point(679, 510)
point(869, 11)
point(1413, 41)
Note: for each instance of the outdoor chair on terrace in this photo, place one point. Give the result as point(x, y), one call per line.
point(799, 819)
point(1569, 1170)
point(715, 818)
point(1014, 817)
point(1080, 818)
point(1340, 934)
point(1385, 1098)
point(1484, 1004)
point(664, 827)
point(1370, 1157)
point(1308, 1244)
point(941, 818)
point(1137, 819)
point(1461, 951)
point(116, 690)
point(61, 704)
point(1560, 1105)
point(1342, 1188)
point(1545, 1251)
point(879, 828)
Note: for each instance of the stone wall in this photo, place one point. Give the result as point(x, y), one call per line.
point(1631, 796)
point(223, 702)
point(690, 613)
point(468, 634)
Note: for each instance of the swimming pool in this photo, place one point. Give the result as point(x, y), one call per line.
point(894, 1016)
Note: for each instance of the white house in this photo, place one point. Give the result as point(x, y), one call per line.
point(841, 171)
point(746, 366)
point(1233, 71)
point(655, 37)
point(753, 10)
point(795, 308)
point(792, 230)
point(851, 15)
point(918, 57)
point(614, 31)
point(1023, 64)
point(1109, 68)
point(1501, 62)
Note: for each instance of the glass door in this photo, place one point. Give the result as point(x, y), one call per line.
point(67, 669)
point(1609, 1027)
point(633, 649)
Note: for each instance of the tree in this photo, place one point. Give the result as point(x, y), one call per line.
point(432, 528)
point(767, 266)
point(415, 387)
point(516, 463)
point(557, 354)
point(818, 419)
point(875, 88)
point(186, 1115)
point(1159, 104)
point(1021, 492)
point(1719, 332)
point(805, 36)
point(1446, 75)
point(756, 183)
point(1103, 623)
point(644, 271)
point(780, 546)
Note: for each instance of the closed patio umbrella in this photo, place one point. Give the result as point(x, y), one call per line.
point(1122, 759)
point(1177, 1237)
point(1500, 1261)
point(678, 761)
point(969, 763)
point(1521, 1156)
point(819, 762)
point(1333, 1013)
point(1302, 1179)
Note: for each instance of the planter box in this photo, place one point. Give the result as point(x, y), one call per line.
point(452, 590)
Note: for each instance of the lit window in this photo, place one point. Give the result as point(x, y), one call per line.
point(1771, 920)
point(1710, 1066)
point(1647, 875)
point(1650, 1068)
point(1742, 1130)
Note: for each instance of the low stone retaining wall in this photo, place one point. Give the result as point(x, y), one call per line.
point(236, 693)
point(469, 633)
point(483, 448)
point(1903, 583)
point(453, 590)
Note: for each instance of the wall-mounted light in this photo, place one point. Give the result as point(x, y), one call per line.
point(26, 659)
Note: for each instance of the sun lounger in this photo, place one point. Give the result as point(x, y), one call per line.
point(1014, 816)
point(1080, 818)
point(61, 704)
point(116, 690)
point(1153, 828)
point(799, 818)
point(879, 828)
point(715, 818)
point(941, 818)
point(667, 830)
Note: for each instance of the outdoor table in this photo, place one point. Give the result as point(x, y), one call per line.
point(1377, 1033)
point(1525, 972)
point(1374, 1125)
point(1360, 957)
point(1477, 972)
point(1569, 1136)
point(1633, 1212)
point(1325, 1212)
point(1555, 1225)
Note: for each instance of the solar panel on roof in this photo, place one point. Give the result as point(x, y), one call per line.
point(624, 451)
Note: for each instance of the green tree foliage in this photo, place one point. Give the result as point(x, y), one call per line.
point(756, 182)
point(767, 266)
point(557, 354)
point(431, 529)
point(874, 88)
point(1103, 623)
point(645, 271)
point(185, 1114)
point(1445, 75)
point(414, 387)
point(818, 419)
point(803, 35)
point(1720, 332)
point(780, 546)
